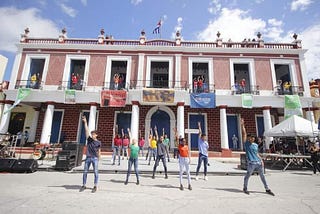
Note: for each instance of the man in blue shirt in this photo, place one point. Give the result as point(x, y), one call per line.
point(254, 161)
point(92, 156)
point(203, 153)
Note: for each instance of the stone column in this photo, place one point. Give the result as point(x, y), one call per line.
point(180, 119)
point(33, 128)
point(47, 123)
point(225, 151)
point(267, 125)
point(310, 114)
point(92, 117)
point(5, 119)
point(140, 75)
point(135, 120)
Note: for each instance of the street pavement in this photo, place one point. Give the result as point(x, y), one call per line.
point(50, 191)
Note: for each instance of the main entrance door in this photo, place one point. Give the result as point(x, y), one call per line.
point(193, 124)
point(161, 119)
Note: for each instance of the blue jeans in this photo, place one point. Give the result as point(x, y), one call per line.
point(156, 164)
point(205, 163)
point(251, 166)
point(94, 161)
point(152, 153)
point(116, 152)
point(133, 161)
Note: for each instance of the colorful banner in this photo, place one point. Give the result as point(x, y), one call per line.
point(203, 100)
point(70, 96)
point(292, 106)
point(113, 98)
point(247, 100)
point(158, 95)
point(21, 95)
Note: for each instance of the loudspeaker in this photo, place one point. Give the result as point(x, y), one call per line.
point(66, 160)
point(6, 165)
point(25, 165)
point(78, 148)
point(79, 155)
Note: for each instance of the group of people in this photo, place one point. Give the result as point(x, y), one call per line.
point(76, 81)
point(199, 84)
point(118, 81)
point(35, 81)
point(94, 154)
point(284, 87)
point(240, 86)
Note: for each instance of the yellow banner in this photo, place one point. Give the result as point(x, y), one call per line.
point(158, 95)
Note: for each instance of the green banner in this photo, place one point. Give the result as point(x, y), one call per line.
point(70, 96)
point(247, 100)
point(292, 106)
point(22, 94)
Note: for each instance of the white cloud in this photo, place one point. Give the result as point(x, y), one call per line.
point(178, 27)
point(215, 6)
point(136, 2)
point(235, 24)
point(311, 41)
point(259, 1)
point(300, 4)
point(84, 2)
point(68, 10)
point(12, 29)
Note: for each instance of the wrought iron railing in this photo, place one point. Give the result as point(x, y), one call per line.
point(292, 90)
point(115, 86)
point(80, 85)
point(252, 89)
point(29, 84)
point(138, 84)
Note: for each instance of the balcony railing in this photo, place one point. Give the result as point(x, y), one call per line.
point(80, 85)
point(138, 84)
point(205, 88)
point(160, 42)
point(29, 84)
point(292, 90)
point(115, 86)
point(253, 89)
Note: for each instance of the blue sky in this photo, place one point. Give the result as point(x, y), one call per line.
point(277, 20)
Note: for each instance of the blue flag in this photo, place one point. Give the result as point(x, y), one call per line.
point(203, 100)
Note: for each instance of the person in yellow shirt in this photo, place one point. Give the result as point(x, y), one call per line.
point(33, 80)
point(153, 147)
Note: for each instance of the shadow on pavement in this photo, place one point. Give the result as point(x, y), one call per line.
point(69, 187)
point(230, 190)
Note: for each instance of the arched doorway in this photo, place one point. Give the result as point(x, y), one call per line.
point(162, 117)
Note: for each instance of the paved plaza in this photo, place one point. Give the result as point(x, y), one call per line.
point(50, 191)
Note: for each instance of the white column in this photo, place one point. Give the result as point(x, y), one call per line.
point(47, 124)
point(180, 119)
point(135, 120)
point(267, 125)
point(224, 128)
point(92, 117)
point(310, 116)
point(5, 119)
point(178, 71)
point(140, 70)
point(33, 128)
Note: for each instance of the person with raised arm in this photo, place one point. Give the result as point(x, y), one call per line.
point(153, 145)
point(117, 143)
point(161, 155)
point(166, 142)
point(184, 162)
point(92, 156)
point(254, 161)
point(134, 153)
point(125, 144)
point(203, 147)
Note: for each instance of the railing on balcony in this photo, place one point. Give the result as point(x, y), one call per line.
point(138, 84)
point(29, 84)
point(115, 86)
point(80, 85)
point(205, 88)
point(160, 42)
point(253, 89)
point(292, 90)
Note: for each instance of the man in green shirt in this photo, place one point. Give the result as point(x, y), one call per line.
point(134, 153)
point(166, 142)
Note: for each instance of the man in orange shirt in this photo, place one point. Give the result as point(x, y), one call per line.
point(184, 161)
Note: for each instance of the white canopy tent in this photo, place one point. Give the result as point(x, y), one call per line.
point(292, 127)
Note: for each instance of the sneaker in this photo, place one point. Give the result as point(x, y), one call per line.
point(82, 188)
point(166, 176)
point(208, 164)
point(118, 164)
point(126, 182)
point(197, 178)
point(94, 189)
point(246, 191)
point(112, 164)
point(270, 192)
point(181, 187)
point(205, 178)
point(137, 182)
point(153, 177)
point(189, 187)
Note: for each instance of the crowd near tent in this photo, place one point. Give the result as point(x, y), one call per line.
point(292, 127)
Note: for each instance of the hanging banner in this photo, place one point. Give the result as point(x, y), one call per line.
point(70, 96)
point(292, 106)
point(203, 100)
point(113, 98)
point(22, 94)
point(247, 100)
point(158, 95)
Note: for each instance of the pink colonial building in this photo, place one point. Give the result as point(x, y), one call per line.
point(140, 84)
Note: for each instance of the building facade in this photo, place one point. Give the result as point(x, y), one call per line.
point(156, 80)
